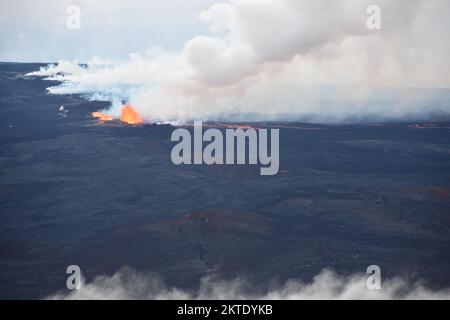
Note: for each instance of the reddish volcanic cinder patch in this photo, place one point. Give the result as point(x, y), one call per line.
point(221, 125)
point(429, 193)
point(238, 126)
point(130, 116)
point(442, 193)
point(229, 126)
point(199, 224)
point(203, 214)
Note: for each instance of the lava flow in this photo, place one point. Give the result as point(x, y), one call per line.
point(130, 116)
point(127, 115)
point(101, 116)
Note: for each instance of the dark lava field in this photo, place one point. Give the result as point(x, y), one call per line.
point(106, 195)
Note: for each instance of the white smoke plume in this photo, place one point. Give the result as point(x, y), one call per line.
point(283, 58)
point(129, 284)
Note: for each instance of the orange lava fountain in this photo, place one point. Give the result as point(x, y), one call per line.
point(127, 115)
point(130, 116)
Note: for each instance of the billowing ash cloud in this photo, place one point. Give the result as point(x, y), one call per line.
point(129, 284)
point(284, 58)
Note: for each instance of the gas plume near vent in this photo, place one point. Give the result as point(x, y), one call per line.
point(280, 62)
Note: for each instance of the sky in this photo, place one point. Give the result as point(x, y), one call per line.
point(181, 60)
point(36, 30)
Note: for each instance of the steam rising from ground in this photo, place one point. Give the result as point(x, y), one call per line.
point(129, 284)
point(279, 58)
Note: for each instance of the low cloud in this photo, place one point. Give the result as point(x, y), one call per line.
point(130, 284)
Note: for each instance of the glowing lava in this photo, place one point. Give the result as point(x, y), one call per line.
point(127, 115)
point(102, 116)
point(130, 116)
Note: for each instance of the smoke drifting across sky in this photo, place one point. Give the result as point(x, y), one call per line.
point(129, 284)
point(285, 60)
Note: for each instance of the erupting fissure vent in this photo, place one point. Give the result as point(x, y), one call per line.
point(127, 115)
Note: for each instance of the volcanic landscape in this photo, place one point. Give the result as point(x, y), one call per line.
point(104, 194)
